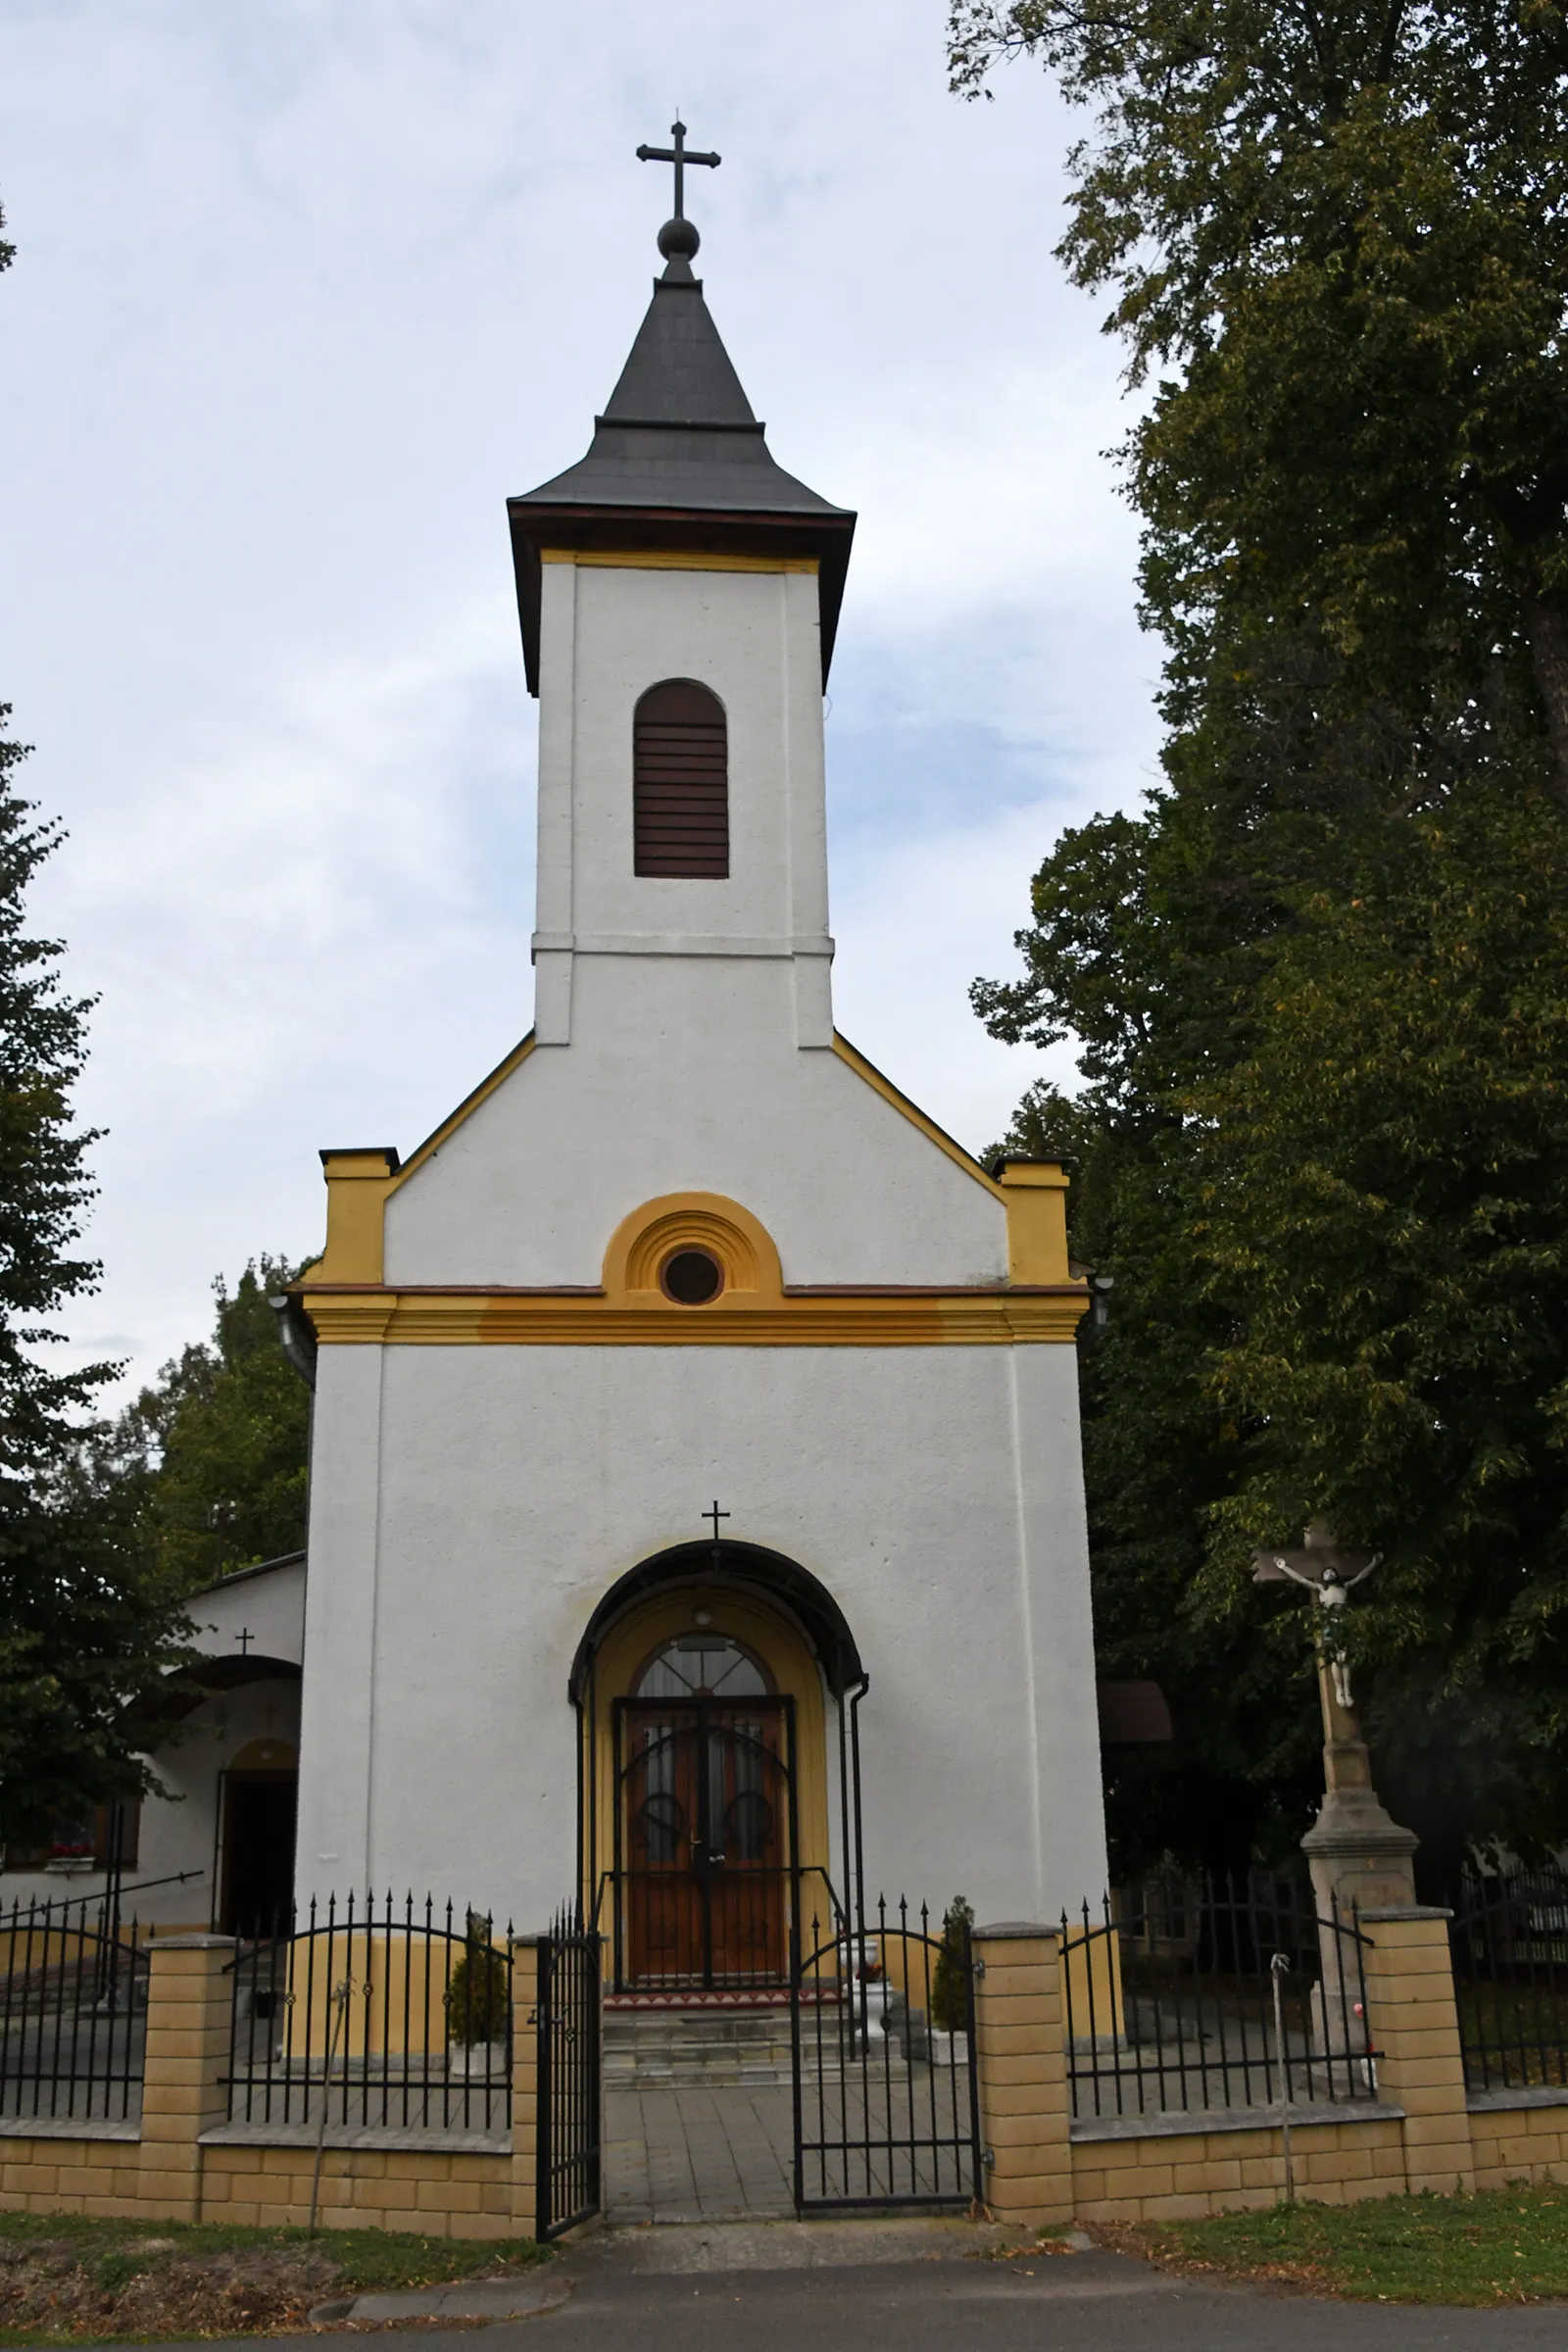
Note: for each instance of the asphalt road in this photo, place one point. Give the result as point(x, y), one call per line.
point(1081, 2303)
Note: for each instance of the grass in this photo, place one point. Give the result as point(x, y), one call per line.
point(105, 2281)
point(1504, 2247)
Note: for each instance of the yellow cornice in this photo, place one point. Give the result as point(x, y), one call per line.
point(671, 558)
point(357, 1186)
point(374, 1315)
point(1036, 1194)
point(911, 1111)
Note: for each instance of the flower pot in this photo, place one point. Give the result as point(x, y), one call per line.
point(871, 2010)
point(485, 2059)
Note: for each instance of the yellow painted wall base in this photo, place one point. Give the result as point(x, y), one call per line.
point(433, 2193)
point(1184, 2177)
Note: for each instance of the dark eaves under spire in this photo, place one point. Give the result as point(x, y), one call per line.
point(679, 460)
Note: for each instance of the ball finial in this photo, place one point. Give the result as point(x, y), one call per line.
point(678, 237)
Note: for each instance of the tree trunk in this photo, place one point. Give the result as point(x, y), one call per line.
point(1548, 644)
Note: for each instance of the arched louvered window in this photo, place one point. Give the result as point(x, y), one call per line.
point(680, 781)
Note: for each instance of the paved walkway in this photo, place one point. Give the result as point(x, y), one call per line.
point(692, 2154)
point(905, 2287)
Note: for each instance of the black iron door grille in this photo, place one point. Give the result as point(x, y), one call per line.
point(886, 2103)
point(568, 2017)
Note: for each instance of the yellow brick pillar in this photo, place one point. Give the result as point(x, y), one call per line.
point(1414, 2023)
point(189, 2002)
point(1021, 2057)
point(525, 2083)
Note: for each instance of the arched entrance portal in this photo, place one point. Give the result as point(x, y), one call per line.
point(713, 1802)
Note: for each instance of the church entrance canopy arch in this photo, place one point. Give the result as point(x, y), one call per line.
point(702, 1685)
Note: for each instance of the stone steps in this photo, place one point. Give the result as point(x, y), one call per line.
point(652, 2050)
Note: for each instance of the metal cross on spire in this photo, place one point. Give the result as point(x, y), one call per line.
point(680, 155)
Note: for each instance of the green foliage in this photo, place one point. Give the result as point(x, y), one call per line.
point(1508, 2245)
point(44, 1185)
point(478, 1994)
point(1319, 981)
point(224, 1440)
point(86, 1633)
point(1383, 1211)
point(950, 1979)
point(1347, 227)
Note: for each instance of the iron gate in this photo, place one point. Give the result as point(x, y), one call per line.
point(887, 2101)
point(568, 2015)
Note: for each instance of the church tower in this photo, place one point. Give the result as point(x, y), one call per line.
point(695, 1491)
point(682, 838)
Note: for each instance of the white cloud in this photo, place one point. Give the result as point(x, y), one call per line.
point(304, 289)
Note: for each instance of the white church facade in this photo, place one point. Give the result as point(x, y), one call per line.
point(696, 1490)
point(696, 1513)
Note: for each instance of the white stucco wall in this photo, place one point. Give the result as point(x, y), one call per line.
point(676, 1095)
point(180, 1826)
point(267, 1603)
point(470, 1506)
point(516, 1484)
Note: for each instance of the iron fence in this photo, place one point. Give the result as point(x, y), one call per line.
point(569, 2018)
point(374, 2016)
point(886, 2093)
point(1509, 1941)
point(73, 2009)
point(1190, 1995)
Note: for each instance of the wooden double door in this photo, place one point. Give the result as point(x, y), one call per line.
point(706, 1823)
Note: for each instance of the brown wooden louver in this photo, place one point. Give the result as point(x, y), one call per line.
point(680, 782)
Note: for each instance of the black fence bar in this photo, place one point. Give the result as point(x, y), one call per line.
point(1509, 1941)
point(1171, 2009)
point(390, 2016)
point(73, 2009)
point(568, 2013)
point(886, 2101)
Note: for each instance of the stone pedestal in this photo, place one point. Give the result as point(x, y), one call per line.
point(1357, 1855)
point(1414, 2026)
point(189, 2001)
point(524, 2084)
point(1025, 2110)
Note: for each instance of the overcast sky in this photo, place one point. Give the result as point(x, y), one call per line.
point(304, 289)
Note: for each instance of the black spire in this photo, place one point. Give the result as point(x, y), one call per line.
point(679, 459)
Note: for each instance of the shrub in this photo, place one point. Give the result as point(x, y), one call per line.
point(949, 1980)
point(479, 1991)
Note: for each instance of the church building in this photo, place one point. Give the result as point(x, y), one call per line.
point(696, 1526)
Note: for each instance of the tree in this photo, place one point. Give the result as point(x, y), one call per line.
point(1343, 232)
point(1384, 1212)
point(85, 1634)
point(1347, 224)
point(223, 1440)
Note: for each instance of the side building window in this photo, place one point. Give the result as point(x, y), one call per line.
point(680, 782)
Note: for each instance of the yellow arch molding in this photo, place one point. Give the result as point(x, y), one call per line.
point(742, 1245)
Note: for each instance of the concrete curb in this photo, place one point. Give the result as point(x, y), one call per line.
point(463, 2299)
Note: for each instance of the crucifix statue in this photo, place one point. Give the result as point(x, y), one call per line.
point(680, 155)
point(1329, 1573)
point(245, 1638)
point(1357, 1852)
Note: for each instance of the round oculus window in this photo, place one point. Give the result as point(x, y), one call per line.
point(692, 1277)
